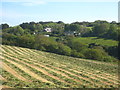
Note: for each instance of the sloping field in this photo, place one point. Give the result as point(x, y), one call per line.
point(100, 41)
point(28, 68)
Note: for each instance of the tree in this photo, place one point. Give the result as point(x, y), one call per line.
point(100, 22)
point(26, 41)
point(112, 32)
point(4, 26)
point(100, 29)
point(39, 27)
point(74, 53)
point(59, 22)
point(63, 49)
point(41, 42)
point(45, 44)
point(76, 45)
point(17, 30)
point(9, 39)
point(25, 25)
point(97, 54)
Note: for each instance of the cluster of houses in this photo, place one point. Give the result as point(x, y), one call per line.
point(66, 33)
point(72, 33)
point(45, 30)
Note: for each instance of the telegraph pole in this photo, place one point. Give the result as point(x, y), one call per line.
point(119, 11)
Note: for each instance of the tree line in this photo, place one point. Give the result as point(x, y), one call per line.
point(31, 35)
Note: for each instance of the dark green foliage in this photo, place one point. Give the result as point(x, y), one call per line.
point(26, 41)
point(113, 51)
point(100, 29)
point(112, 32)
point(17, 30)
point(4, 26)
point(45, 44)
point(72, 27)
point(76, 45)
point(32, 26)
point(9, 39)
point(74, 53)
point(97, 54)
point(64, 50)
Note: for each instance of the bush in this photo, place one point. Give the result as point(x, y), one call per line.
point(74, 53)
point(63, 49)
point(97, 54)
point(109, 59)
point(52, 47)
point(45, 43)
point(76, 45)
point(9, 39)
point(26, 41)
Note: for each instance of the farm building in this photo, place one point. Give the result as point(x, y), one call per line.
point(47, 35)
point(47, 30)
point(72, 33)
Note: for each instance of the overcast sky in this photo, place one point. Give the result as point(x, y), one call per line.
point(15, 12)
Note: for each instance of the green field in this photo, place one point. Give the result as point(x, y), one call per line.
point(29, 68)
point(103, 42)
point(88, 40)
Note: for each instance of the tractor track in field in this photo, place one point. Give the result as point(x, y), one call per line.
point(62, 70)
point(2, 78)
point(94, 76)
point(74, 74)
point(41, 70)
point(69, 77)
point(13, 72)
point(105, 74)
point(25, 69)
point(4, 87)
point(30, 58)
point(79, 76)
point(45, 72)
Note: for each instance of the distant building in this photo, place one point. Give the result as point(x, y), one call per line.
point(47, 35)
point(47, 30)
point(69, 33)
point(34, 33)
point(72, 33)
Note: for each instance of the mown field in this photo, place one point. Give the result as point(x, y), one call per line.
point(28, 68)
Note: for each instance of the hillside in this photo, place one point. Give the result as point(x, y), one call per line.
point(29, 68)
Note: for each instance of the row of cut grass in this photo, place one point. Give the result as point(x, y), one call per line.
point(62, 65)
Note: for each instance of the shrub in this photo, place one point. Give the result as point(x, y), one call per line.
point(97, 54)
point(9, 39)
point(74, 53)
point(76, 45)
point(63, 49)
point(26, 41)
point(45, 43)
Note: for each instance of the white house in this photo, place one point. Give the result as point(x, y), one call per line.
point(47, 29)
